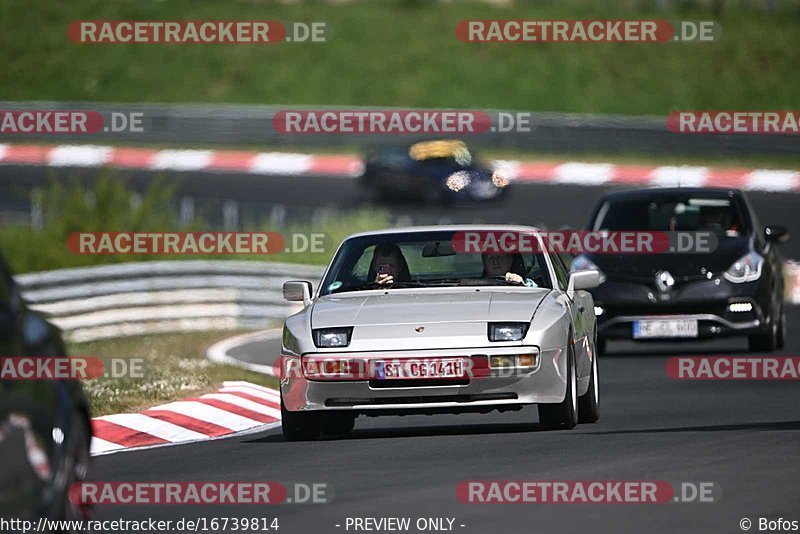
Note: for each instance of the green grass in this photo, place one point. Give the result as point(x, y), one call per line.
point(175, 367)
point(404, 53)
point(106, 206)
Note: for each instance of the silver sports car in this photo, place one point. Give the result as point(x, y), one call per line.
point(443, 319)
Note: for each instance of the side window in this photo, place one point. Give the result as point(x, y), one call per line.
point(560, 270)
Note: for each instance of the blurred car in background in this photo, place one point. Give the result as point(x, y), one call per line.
point(735, 290)
point(437, 172)
point(45, 431)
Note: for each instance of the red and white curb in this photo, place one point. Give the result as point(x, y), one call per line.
point(235, 408)
point(348, 166)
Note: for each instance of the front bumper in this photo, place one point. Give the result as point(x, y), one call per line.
point(499, 389)
point(618, 305)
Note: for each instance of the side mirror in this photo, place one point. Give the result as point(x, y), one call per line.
point(297, 291)
point(586, 279)
point(776, 234)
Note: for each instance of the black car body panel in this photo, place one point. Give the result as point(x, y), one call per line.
point(41, 421)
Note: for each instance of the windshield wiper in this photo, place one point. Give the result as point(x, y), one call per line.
point(402, 285)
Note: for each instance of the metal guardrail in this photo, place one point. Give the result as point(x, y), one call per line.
point(236, 125)
point(89, 303)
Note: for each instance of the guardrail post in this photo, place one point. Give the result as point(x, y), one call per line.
point(277, 216)
point(186, 211)
point(230, 215)
point(37, 214)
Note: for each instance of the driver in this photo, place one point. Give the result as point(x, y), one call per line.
point(389, 265)
point(500, 264)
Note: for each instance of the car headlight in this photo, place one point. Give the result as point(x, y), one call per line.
point(582, 263)
point(745, 269)
point(458, 181)
point(507, 331)
point(499, 180)
point(332, 337)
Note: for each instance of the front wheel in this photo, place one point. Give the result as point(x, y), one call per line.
point(589, 402)
point(563, 415)
point(768, 341)
point(781, 341)
point(300, 426)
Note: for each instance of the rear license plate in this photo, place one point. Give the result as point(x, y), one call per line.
point(651, 328)
point(411, 368)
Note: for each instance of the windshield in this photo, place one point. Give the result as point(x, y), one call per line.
point(673, 214)
point(427, 259)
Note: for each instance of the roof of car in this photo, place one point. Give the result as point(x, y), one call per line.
point(709, 192)
point(450, 228)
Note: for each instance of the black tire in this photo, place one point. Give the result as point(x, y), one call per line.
point(338, 423)
point(768, 341)
point(300, 426)
point(589, 402)
point(75, 469)
point(563, 415)
point(781, 341)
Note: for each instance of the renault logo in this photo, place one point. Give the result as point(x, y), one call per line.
point(664, 281)
point(419, 329)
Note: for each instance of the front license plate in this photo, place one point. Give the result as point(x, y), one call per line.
point(409, 369)
point(650, 328)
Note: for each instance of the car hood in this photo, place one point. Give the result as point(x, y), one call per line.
point(679, 265)
point(407, 306)
point(409, 319)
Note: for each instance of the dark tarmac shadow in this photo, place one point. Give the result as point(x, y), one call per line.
point(776, 425)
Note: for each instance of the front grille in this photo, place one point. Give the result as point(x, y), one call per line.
point(415, 399)
point(418, 383)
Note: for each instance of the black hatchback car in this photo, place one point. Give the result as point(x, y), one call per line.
point(45, 430)
point(735, 290)
point(436, 172)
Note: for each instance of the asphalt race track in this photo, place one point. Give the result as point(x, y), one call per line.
point(528, 203)
point(742, 436)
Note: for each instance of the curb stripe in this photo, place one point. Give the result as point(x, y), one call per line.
point(238, 410)
point(123, 436)
point(154, 427)
point(203, 427)
point(255, 396)
point(255, 406)
point(210, 414)
point(265, 335)
point(347, 166)
point(242, 407)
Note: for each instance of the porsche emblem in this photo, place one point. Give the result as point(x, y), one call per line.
point(419, 329)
